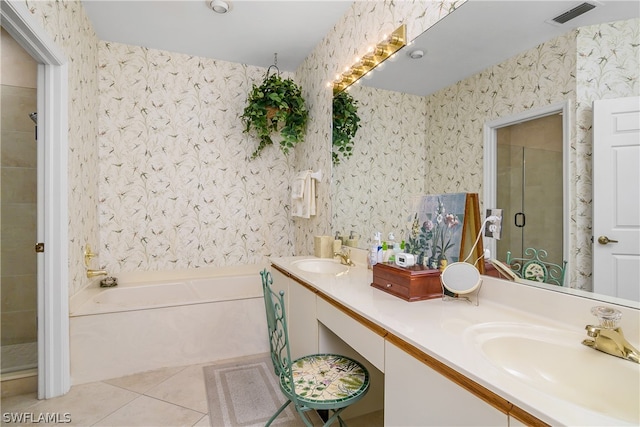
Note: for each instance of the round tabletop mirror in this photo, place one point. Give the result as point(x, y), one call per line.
point(461, 278)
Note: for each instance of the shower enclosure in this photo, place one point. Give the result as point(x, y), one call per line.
point(18, 220)
point(529, 190)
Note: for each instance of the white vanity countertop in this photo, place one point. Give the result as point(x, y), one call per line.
point(440, 328)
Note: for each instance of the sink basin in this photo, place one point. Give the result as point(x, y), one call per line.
point(556, 363)
point(322, 266)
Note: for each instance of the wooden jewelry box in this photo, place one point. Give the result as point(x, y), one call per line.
point(414, 283)
point(409, 283)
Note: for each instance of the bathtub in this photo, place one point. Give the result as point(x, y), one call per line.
point(166, 319)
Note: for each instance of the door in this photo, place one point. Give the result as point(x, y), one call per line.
point(529, 167)
point(616, 197)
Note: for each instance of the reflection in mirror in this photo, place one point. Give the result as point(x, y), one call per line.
point(422, 132)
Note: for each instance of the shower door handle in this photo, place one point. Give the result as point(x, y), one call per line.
point(520, 216)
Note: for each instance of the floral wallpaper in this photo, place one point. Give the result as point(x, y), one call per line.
point(177, 187)
point(363, 24)
point(608, 66)
point(68, 25)
point(373, 188)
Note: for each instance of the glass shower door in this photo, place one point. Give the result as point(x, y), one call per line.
point(529, 166)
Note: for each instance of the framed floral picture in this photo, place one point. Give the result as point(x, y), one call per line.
point(442, 229)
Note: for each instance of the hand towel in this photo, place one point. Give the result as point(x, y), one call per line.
point(303, 195)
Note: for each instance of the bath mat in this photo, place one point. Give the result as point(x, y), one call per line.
point(246, 393)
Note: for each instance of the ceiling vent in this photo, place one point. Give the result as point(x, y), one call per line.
point(573, 13)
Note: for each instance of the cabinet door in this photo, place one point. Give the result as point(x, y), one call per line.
point(416, 395)
point(301, 320)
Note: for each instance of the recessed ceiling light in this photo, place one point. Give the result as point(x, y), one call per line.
point(416, 54)
point(219, 6)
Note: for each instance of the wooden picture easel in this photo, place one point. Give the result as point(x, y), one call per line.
point(471, 228)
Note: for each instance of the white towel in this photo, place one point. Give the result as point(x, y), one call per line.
point(303, 195)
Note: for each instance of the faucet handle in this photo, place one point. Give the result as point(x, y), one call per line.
point(608, 316)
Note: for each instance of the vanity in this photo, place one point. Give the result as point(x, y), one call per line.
point(514, 359)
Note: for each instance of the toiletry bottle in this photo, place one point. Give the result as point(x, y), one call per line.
point(391, 243)
point(373, 256)
point(377, 237)
point(385, 252)
point(353, 239)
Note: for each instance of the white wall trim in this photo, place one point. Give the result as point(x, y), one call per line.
point(53, 265)
point(490, 150)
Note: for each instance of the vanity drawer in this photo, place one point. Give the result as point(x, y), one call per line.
point(411, 284)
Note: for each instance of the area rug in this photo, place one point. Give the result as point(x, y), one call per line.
point(246, 393)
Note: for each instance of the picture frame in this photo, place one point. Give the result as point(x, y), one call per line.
point(442, 229)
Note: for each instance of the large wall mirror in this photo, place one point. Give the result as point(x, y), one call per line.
point(423, 115)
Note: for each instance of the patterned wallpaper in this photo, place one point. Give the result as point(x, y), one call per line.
point(177, 187)
point(363, 24)
point(608, 66)
point(372, 189)
point(68, 25)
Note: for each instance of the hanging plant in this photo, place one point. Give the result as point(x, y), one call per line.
point(346, 123)
point(276, 106)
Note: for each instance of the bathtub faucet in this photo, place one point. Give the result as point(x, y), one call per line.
point(95, 273)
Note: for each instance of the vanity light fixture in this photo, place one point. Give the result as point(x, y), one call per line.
point(219, 6)
point(376, 55)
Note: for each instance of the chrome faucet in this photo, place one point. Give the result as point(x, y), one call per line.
point(608, 337)
point(96, 273)
point(345, 258)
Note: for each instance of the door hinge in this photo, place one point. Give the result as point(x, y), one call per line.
point(39, 247)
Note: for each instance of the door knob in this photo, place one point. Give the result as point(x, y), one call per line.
point(603, 240)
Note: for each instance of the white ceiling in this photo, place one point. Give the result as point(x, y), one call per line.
point(477, 35)
point(249, 33)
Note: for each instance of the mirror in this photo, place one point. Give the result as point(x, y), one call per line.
point(422, 133)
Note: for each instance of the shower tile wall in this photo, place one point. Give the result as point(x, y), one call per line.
point(18, 194)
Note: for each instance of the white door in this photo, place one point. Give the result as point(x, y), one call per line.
point(616, 197)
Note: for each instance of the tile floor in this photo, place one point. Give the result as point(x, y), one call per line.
point(165, 397)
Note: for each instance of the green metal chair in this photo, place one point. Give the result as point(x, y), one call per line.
point(316, 382)
point(534, 266)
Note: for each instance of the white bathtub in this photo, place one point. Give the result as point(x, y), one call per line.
point(141, 325)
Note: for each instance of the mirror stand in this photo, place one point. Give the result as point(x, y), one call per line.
point(471, 298)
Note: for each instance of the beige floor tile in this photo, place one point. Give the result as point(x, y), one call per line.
point(140, 383)
point(146, 411)
point(86, 403)
point(203, 422)
point(186, 388)
point(19, 403)
point(372, 419)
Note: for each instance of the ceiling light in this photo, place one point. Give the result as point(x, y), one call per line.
point(416, 54)
point(219, 6)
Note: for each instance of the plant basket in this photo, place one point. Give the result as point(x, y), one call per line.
point(275, 107)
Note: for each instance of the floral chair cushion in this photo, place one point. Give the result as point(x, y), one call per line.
point(326, 378)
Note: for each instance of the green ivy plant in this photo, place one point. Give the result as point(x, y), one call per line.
point(346, 123)
point(275, 106)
